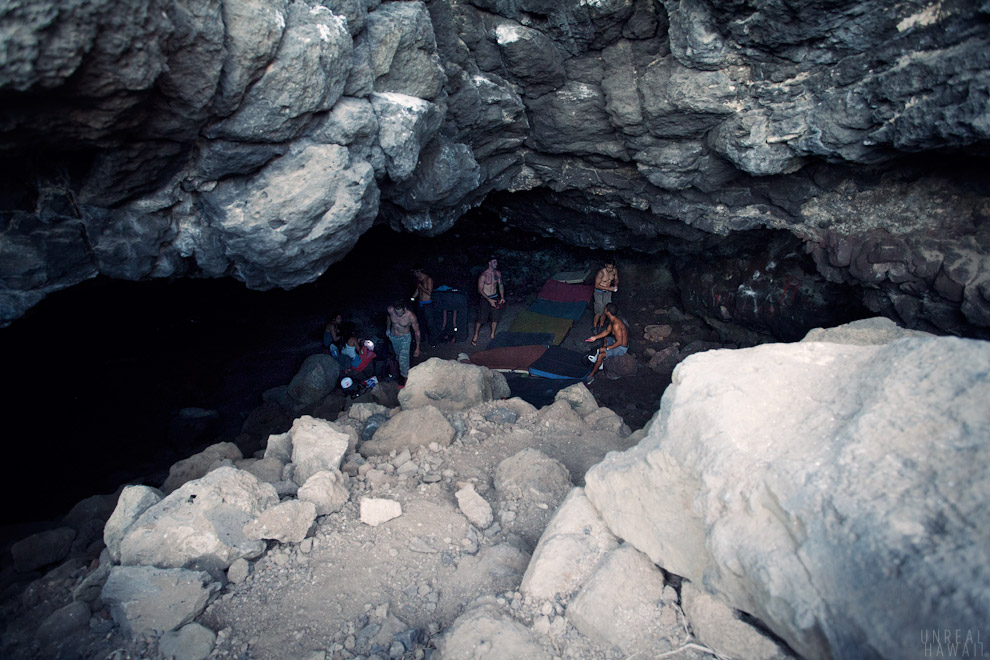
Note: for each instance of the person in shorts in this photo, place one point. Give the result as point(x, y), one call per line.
point(616, 336)
point(606, 283)
point(492, 293)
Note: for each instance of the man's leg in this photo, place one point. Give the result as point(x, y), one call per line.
point(494, 323)
point(477, 329)
point(402, 344)
point(598, 364)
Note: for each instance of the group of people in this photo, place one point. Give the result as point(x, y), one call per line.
point(404, 327)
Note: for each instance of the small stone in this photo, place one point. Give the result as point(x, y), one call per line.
point(238, 571)
point(375, 511)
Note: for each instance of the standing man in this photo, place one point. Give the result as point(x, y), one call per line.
point(400, 327)
point(606, 283)
point(615, 345)
point(492, 294)
point(423, 295)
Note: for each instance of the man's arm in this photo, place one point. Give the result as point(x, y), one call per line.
point(428, 287)
point(615, 280)
point(415, 329)
point(501, 289)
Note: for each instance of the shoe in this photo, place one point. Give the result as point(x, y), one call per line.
point(589, 381)
point(591, 359)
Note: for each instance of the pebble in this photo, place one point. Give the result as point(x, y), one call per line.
point(431, 478)
point(306, 546)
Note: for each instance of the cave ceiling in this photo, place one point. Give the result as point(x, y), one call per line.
point(259, 139)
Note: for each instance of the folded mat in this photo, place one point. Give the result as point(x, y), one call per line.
point(506, 339)
point(559, 362)
point(562, 310)
point(538, 391)
point(528, 321)
point(561, 292)
point(572, 276)
point(513, 358)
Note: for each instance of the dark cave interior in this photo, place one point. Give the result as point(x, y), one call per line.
point(99, 373)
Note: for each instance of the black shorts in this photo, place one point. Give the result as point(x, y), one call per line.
point(487, 313)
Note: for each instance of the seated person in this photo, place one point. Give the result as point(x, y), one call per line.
point(616, 336)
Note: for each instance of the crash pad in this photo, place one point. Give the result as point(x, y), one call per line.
point(560, 363)
point(572, 276)
point(528, 321)
point(562, 292)
point(563, 310)
point(538, 391)
point(506, 339)
point(513, 358)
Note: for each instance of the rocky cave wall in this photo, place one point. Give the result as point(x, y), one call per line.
point(258, 139)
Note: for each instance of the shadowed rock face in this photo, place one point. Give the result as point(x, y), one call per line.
point(258, 139)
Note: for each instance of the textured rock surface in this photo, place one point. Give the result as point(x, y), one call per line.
point(450, 385)
point(143, 599)
point(258, 140)
point(836, 492)
point(625, 604)
point(485, 633)
point(200, 525)
point(410, 429)
point(570, 549)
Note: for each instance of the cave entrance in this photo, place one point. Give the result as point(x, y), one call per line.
point(114, 381)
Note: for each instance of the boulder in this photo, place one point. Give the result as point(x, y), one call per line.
point(624, 604)
point(145, 599)
point(865, 332)
point(494, 570)
point(200, 525)
point(64, 623)
point(317, 445)
point(267, 469)
point(580, 398)
point(327, 490)
point(409, 429)
point(789, 478)
point(485, 632)
point(532, 474)
point(199, 464)
point(719, 628)
point(450, 385)
point(532, 485)
point(42, 548)
point(286, 522)
point(190, 642)
point(133, 501)
point(664, 360)
point(573, 545)
point(316, 378)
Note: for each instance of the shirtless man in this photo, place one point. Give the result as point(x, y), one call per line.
point(492, 294)
point(615, 345)
point(424, 296)
point(401, 326)
point(606, 283)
